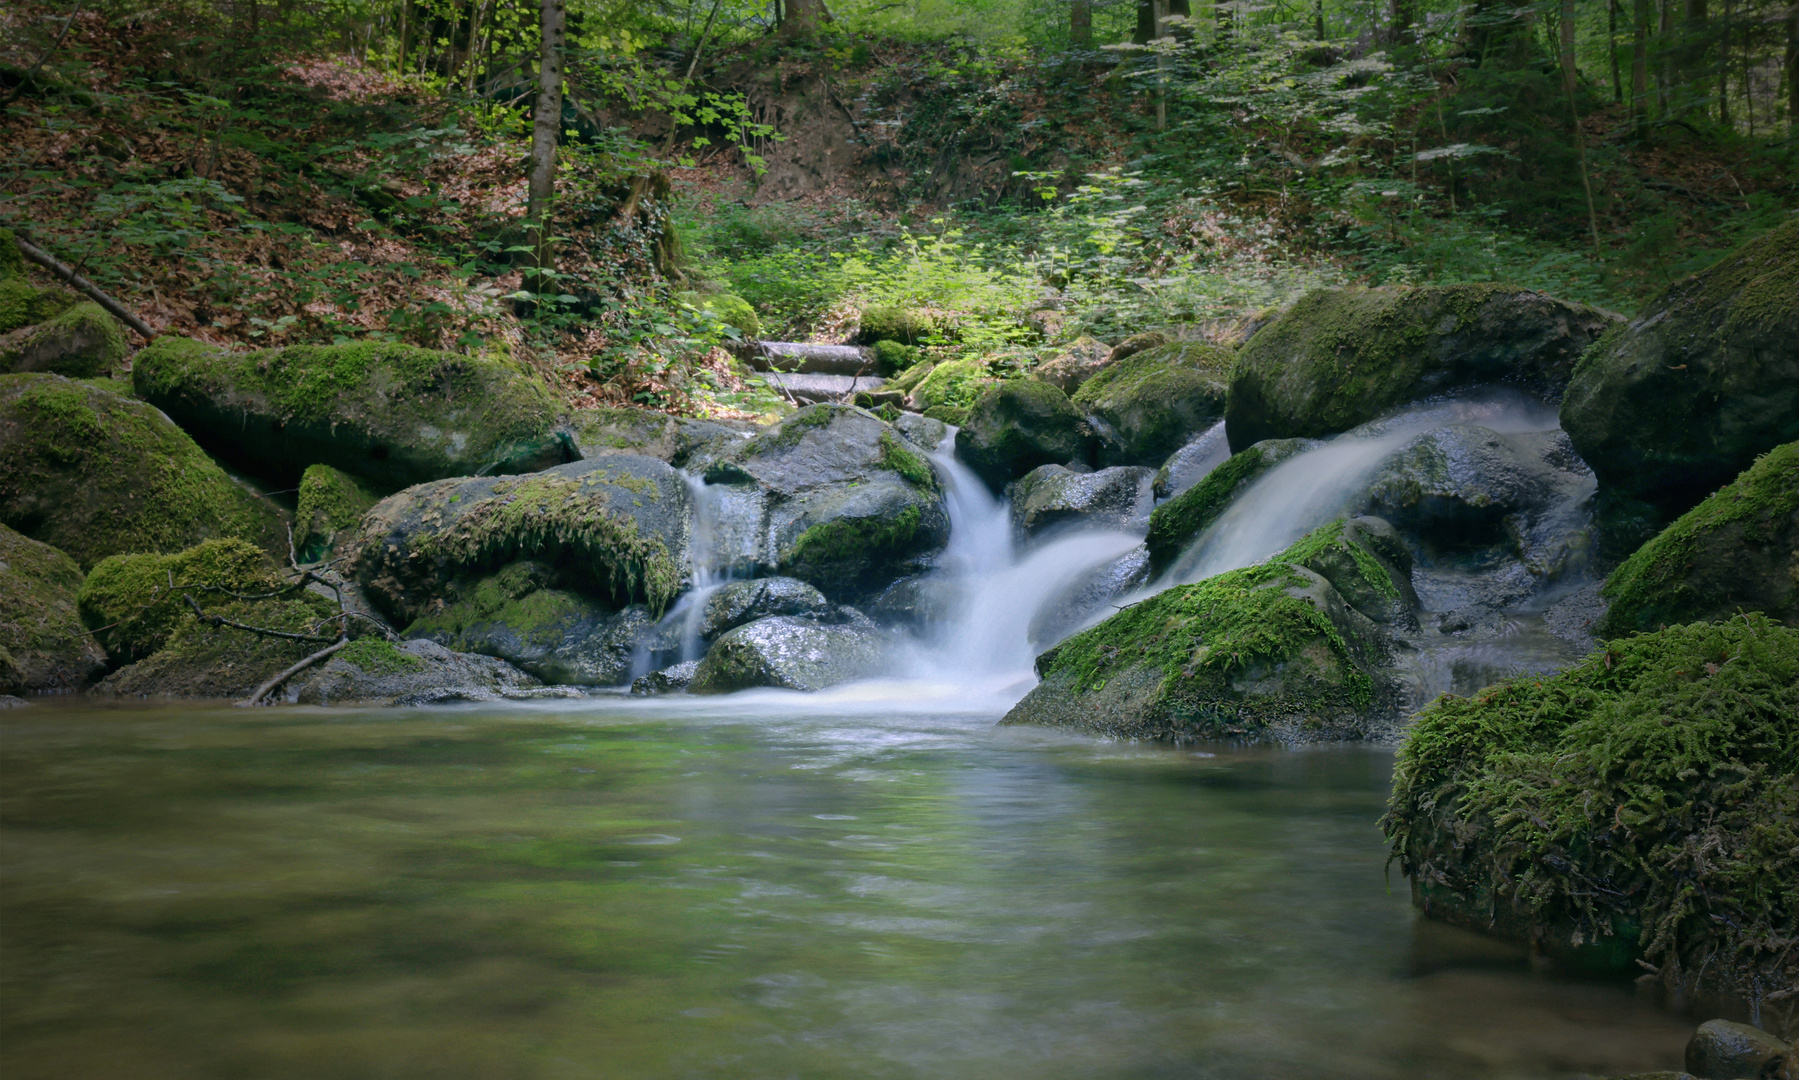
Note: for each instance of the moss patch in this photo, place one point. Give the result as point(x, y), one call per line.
point(1174, 524)
point(912, 468)
point(12, 260)
point(890, 322)
point(378, 656)
point(1740, 547)
point(824, 551)
point(954, 382)
point(96, 474)
point(134, 602)
point(330, 502)
point(1645, 800)
point(199, 660)
point(81, 341)
point(42, 642)
point(23, 304)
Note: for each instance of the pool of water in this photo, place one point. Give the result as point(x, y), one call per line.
point(764, 886)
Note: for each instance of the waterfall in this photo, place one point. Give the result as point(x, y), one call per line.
point(715, 559)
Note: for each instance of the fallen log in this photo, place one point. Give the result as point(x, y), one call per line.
point(69, 277)
point(805, 358)
point(809, 389)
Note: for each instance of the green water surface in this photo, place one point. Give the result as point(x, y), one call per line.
point(721, 890)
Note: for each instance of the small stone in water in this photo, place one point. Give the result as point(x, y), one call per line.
point(1722, 1050)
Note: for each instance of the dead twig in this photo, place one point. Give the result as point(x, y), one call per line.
point(69, 276)
point(277, 679)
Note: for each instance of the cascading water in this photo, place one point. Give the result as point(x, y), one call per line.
point(715, 560)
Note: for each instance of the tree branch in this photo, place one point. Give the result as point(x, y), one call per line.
point(49, 262)
point(276, 680)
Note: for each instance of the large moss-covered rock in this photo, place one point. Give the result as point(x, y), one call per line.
point(834, 496)
point(21, 302)
point(558, 635)
point(1019, 425)
point(95, 474)
point(1051, 498)
point(1151, 403)
point(789, 653)
point(1270, 652)
point(891, 322)
point(615, 528)
point(1675, 404)
point(1179, 521)
point(1738, 550)
point(372, 671)
point(682, 441)
point(80, 342)
point(43, 645)
point(134, 603)
point(1342, 357)
point(393, 414)
point(201, 659)
point(728, 308)
point(1074, 364)
point(331, 501)
point(1643, 804)
point(951, 384)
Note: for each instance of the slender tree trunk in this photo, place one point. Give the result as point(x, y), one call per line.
point(1724, 36)
point(1146, 22)
point(546, 128)
point(1611, 49)
point(405, 28)
point(1664, 62)
point(1639, 67)
point(1399, 20)
point(1080, 24)
point(1318, 18)
point(1570, 73)
point(1793, 69)
point(1695, 33)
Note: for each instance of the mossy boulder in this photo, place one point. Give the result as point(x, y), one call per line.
point(558, 635)
point(1642, 805)
point(1051, 499)
point(1738, 550)
point(95, 474)
point(373, 671)
point(891, 322)
point(201, 659)
point(833, 496)
point(12, 260)
point(330, 502)
point(789, 653)
point(1271, 652)
point(614, 528)
point(1676, 403)
point(1151, 403)
point(891, 358)
point(21, 302)
point(1143, 341)
point(80, 342)
point(393, 414)
point(134, 603)
point(1341, 357)
point(951, 415)
point(679, 440)
point(1018, 425)
point(1077, 362)
point(1464, 485)
point(923, 431)
point(1178, 522)
point(43, 645)
point(732, 310)
point(955, 383)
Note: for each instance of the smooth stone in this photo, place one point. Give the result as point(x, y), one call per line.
point(1726, 1050)
point(670, 680)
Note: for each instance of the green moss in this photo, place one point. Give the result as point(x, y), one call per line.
point(908, 380)
point(891, 357)
point(23, 304)
point(1159, 370)
point(1174, 524)
point(330, 502)
point(1658, 584)
point(83, 340)
point(200, 660)
point(12, 260)
point(1201, 637)
point(824, 549)
point(552, 513)
point(953, 382)
point(1759, 283)
point(518, 597)
point(953, 415)
point(42, 642)
point(96, 474)
point(890, 322)
point(1652, 786)
point(732, 310)
point(134, 602)
point(912, 468)
point(793, 429)
point(378, 656)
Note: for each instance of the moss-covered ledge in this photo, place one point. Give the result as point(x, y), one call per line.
point(393, 414)
point(1643, 805)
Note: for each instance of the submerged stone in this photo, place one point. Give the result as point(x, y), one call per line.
point(43, 645)
point(1149, 404)
point(393, 414)
point(1017, 426)
point(789, 653)
point(1738, 550)
point(95, 474)
point(1342, 357)
point(1675, 404)
point(1570, 811)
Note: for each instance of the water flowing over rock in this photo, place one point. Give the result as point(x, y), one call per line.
point(615, 528)
point(669, 680)
point(1460, 485)
point(1192, 462)
point(789, 653)
point(834, 497)
point(94, 474)
point(1174, 525)
point(1019, 425)
point(43, 645)
point(1051, 498)
point(1672, 406)
point(1150, 403)
point(1342, 357)
point(393, 414)
point(1738, 550)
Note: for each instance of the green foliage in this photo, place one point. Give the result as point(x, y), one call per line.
point(1652, 786)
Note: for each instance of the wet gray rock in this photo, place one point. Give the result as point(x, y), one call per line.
point(789, 653)
point(1018, 425)
point(678, 440)
point(427, 674)
point(1074, 365)
point(1051, 498)
point(913, 602)
point(1192, 462)
point(923, 431)
point(9, 701)
point(670, 680)
point(834, 497)
point(615, 528)
point(1089, 596)
point(1723, 1050)
point(1456, 486)
point(743, 602)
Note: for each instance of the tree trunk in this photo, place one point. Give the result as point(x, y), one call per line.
point(1793, 69)
point(1694, 36)
point(546, 128)
point(1724, 36)
point(1318, 18)
point(801, 18)
point(1570, 73)
point(1399, 20)
point(1080, 24)
point(1146, 22)
point(1639, 67)
point(1611, 50)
